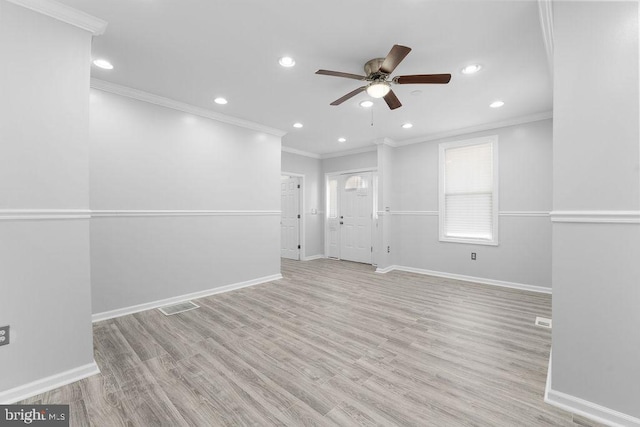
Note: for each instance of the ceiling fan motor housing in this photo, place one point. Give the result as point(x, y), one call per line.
point(372, 69)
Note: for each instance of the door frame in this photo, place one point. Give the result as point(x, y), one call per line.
point(374, 207)
point(301, 224)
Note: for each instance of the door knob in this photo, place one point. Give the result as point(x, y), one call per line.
point(341, 222)
point(341, 217)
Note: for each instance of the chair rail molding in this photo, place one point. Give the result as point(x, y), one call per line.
point(43, 214)
point(147, 213)
point(597, 217)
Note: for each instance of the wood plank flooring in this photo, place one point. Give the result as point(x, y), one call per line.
point(333, 343)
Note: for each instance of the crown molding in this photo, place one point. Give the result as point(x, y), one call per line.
point(181, 106)
point(479, 128)
point(65, 13)
point(426, 138)
point(348, 152)
point(300, 152)
point(330, 155)
point(386, 141)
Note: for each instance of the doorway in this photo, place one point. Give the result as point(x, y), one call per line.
point(350, 199)
point(290, 219)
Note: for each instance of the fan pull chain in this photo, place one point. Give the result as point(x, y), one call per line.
point(371, 116)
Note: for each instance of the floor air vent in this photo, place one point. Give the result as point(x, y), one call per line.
point(543, 322)
point(178, 308)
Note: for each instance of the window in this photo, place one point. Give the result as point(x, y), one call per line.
point(468, 190)
point(354, 183)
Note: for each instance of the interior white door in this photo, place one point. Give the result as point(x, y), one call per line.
point(356, 214)
point(290, 221)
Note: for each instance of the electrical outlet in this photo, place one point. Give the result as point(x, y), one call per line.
point(473, 256)
point(4, 335)
point(388, 249)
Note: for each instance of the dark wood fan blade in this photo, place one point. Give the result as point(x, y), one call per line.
point(340, 74)
point(348, 96)
point(392, 100)
point(423, 78)
point(394, 57)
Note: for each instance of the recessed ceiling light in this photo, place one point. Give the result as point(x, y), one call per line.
point(366, 104)
point(287, 61)
point(297, 125)
point(103, 63)
point(407, 126)
point(470, 69)
point(496, 104)
point(220, 100)
point(342, 139)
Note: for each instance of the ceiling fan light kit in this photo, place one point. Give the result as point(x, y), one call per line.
point(378, 89)
point(377, 75)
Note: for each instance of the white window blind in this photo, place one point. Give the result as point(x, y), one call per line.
point(468, 198)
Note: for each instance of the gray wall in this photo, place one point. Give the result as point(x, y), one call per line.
point(525, 169)
point(313, 199)
point(596, 273)
point(44, 160)
point(149, 158)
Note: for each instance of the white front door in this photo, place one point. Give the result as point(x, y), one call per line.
point(356, 215)
point(290, 221)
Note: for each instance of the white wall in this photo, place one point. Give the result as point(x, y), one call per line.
point(596, 273)
point(44, 160)
point(150, 158)
point(523, 255)
point(366, 160)
point(313, 199)
point(388, 244)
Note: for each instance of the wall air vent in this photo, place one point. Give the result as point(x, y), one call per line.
point(178, 308)
point(543, 322)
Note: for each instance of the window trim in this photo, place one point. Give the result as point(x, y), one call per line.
point(493, 139)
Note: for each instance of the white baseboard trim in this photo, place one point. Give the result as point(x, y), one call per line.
point(49, 383)
point(386, 269)
point(590, 410)
point(312, 257)
point(501, 283)
point(98, 317)
point(585, 408)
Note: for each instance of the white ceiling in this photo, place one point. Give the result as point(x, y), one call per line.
point(195, 50)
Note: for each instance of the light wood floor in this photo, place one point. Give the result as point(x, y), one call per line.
point(333, 343)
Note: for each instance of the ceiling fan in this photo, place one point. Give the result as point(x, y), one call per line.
point(378, 71)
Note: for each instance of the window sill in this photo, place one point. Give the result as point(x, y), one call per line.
point(469, 241)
